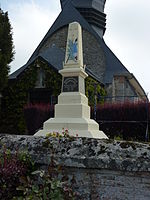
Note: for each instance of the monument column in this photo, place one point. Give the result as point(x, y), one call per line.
point(72, 111)
point(73, 72)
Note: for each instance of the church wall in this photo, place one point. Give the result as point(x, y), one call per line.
point(108, 88)
point(93, 54)
point(120, 90)
point(129, 91)
point(101, 169)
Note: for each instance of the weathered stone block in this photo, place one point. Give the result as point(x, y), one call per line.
point(103, 169)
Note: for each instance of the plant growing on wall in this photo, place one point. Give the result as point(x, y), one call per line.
point(21, 180)
point(15, 97)
point(12, 168)
point(93, 88)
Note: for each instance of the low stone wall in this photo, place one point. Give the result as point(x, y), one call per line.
point(103, 169)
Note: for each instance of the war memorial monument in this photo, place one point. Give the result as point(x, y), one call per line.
point(72, 111)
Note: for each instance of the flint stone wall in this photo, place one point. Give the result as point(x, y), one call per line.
point(103, 169)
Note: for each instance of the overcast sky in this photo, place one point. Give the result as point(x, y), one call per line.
point(127, 34)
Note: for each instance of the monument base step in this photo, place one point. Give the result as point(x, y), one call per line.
point(77, 127)
point(75, 133)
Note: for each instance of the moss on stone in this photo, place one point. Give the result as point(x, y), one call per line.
point(125, 145)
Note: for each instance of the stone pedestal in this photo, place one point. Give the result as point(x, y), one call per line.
point(72, 111)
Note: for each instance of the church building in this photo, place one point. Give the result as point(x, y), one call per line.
point(101, 63)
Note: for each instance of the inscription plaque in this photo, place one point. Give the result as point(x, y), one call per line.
point(70, 84)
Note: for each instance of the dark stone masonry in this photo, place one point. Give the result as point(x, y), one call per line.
point(103, 169)
point(93, 54)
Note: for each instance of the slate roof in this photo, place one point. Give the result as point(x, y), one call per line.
point(56, 60)
point(113, 64)
point(54, 56)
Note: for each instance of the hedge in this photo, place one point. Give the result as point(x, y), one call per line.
point(125, 121)
point(36, 115)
